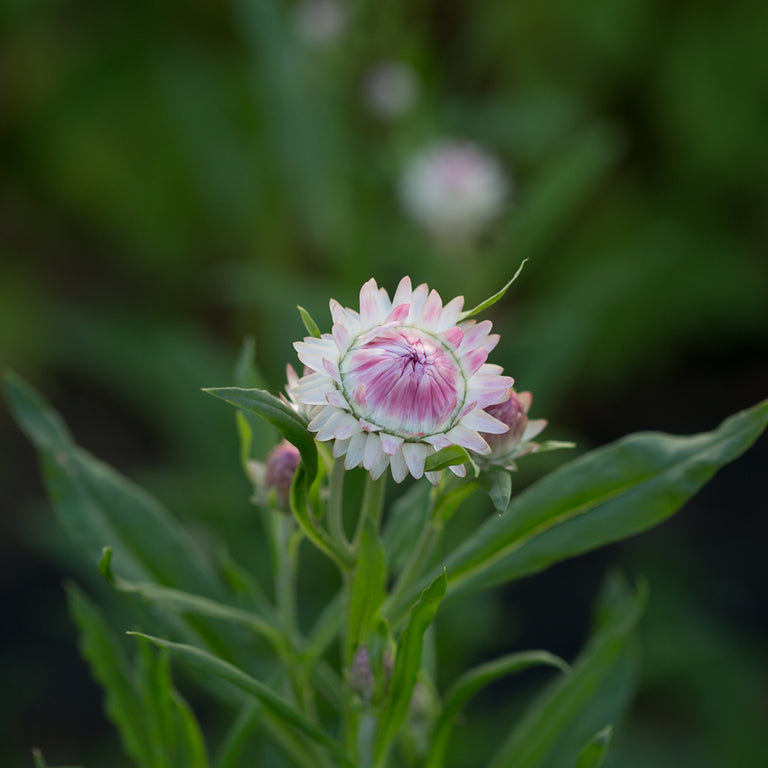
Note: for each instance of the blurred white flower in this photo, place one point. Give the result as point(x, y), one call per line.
point(320, 22)
point(390, 89)
point(453, 189)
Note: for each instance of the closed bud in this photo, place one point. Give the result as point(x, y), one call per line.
point(361, 680)
point(282, 463)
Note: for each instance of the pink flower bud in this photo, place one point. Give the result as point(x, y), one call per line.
point(281, 467)
point(361, 679)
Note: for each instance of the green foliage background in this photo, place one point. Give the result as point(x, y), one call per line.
point(176, 176)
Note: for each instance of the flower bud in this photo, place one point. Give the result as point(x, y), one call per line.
point(517, 441)
point(390, 89)
point(361, 679)
point(281, 467)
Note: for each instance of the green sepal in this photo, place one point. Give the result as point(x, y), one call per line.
point(309, 323)
point(449, 456)
point(489, 302)
point(497, 483)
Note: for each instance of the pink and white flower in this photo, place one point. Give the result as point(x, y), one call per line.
point(400, 379)
point(453, 189)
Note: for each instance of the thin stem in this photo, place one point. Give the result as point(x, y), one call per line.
point(373, 501)
point(336, 506)
point(285, 579)
point(415, 566)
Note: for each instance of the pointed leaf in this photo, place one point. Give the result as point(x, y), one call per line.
point(594, 751)
point(183, 602)
point(550, 733)
point(470, 683)
point(407, 664)
point(97, 506)
point(603, 496)
point(288, 423)
point(489, 302)
point(110, 667)
point(277, 706)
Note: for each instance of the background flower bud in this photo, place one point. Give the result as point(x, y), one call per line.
point(281, 467)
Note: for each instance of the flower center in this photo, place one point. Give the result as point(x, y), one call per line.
point(404, 380)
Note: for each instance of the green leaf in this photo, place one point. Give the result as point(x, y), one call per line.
point(407, 664)
point(182, 602)
point(368, 585)
point(498, 484)
point(594, 751)
point(448, 502)
point(489, 302)
point(96, 505)
point(281, 416)
point(192, 745)
point(470, 683)
point(153, 681)
point(110, 667)
point(277, 706)
point(309, 323)
point(603, 496)
point(446, 457)
point(553, 730)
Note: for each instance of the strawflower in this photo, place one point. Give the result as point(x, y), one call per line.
point(453, 189)
point(518, 440)
point(400, 379)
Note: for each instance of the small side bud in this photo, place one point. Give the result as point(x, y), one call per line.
point(282, 463)
point(361, 680)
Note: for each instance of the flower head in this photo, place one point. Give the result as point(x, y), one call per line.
point(453, 189)
point(400, 379)
point(390, 89)
point(320, 22)
point(516, 442)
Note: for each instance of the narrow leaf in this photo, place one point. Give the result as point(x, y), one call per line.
point(110, 667)
point(309, 323)
point(470, 683)
point(407, 664)
point(96, 505)
point(550, 733)
point(277, 706)
point(483, 305)
point(288, 423)
point(182, 602)
point(594, 751)
point(603, 496)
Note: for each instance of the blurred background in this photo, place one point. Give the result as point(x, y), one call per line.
point(179, 175)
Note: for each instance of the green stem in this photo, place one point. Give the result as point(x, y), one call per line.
point(336, 506)
point(416, 565)
point(373, 502)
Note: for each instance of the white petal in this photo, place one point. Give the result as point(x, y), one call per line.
point(451, 312)
point(377, 470)
point(372, 451)
point(347, 427)
point(460, 470)
point(532, 429)
point(399, 467)
point(481, 421)
point(340, 448)
point(403, 293)
point(355, 450)
point(433, 477)
point(468, 438)
point(415, 454)
point(328, 430)
point(418, 298)
point(390, 443)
